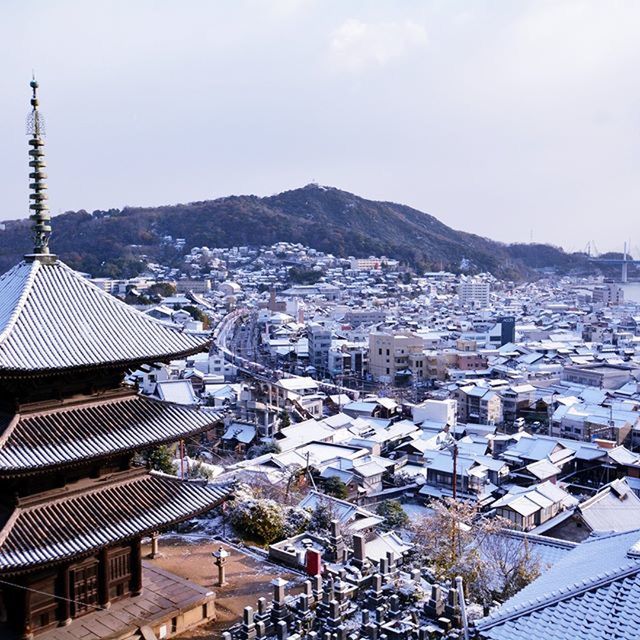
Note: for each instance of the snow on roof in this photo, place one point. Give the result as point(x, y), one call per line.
point(592, 591)
point(378, 547)
point(543, 469)
point(178, 391)
point(614, 508)
point(53, 318)
point(342, 510)
point(244, 433)
point(297, 383)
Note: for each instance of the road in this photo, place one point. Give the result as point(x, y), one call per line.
point(236, 340)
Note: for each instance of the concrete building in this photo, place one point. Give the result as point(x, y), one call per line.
point(356, 317)
point(394, 353)
point(441, 411)
point(474, 292)
point(609, 293)
point(602, 376)
point(319, 338)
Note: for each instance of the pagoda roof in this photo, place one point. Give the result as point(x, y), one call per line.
point(89, 429)
point(95, 513)
point(53, 319)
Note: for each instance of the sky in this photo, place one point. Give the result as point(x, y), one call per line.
point(514, 120)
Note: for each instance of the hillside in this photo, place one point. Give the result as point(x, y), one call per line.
point(111, 242)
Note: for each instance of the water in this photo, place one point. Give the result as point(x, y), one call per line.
point(631, 291)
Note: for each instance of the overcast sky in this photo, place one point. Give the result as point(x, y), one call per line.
point(508, 119)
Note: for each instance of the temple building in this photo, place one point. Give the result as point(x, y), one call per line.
point(74, 504)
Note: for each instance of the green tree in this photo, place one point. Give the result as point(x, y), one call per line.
point(285, 419)
point(161, 459)
point(321, 517)
point(335, 487)
point(163, 289)
point(261, 520)
point(393, 514)
point(197, 314)
point(304, 276)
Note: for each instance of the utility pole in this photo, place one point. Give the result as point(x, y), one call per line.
point(455, 470)
point(182, 476)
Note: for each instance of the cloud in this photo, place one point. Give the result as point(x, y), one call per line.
point(357, 45)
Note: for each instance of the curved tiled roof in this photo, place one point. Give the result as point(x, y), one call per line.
point(51, 318)
point(94, 429)
point(590, 593)
point(99, 513)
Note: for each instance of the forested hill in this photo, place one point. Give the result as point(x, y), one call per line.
point(111, 242)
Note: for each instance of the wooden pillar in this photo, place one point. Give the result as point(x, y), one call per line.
point(136, 568)
point(154, 545)
point(65, 592)
point(103, 576)
point(27, 632)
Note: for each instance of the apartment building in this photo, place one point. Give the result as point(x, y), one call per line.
point(391, 354)
point(474, 292)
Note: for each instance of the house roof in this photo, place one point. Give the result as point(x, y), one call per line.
point(84, 430)
point(543, 469)
point(178, 391)
point(379, 545)
point(51, 319)
point(614, 508)
point(244, 433)
point(344, 511)
point(96, 513)
point(593, 592)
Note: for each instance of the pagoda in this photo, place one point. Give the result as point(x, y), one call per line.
point(73, 503)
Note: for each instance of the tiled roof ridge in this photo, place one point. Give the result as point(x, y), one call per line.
point(38, 440)
point(569, 591)
point(535, 537)
point(48, 301)
point(8, 525)
point(35, 265)
point(595, 498)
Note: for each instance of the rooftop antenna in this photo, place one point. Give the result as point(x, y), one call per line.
point(38, 196)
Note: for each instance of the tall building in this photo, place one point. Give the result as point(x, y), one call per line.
point(393, 354)
point(474, 292)
point(319, 338)
point(73, 503)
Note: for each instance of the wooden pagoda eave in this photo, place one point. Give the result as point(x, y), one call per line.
point(41, 440)
point(20, 555)
point(122, 365)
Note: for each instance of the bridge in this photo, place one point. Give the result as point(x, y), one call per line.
point(624, 262)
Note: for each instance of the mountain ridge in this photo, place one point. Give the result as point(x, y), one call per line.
point(325, 218)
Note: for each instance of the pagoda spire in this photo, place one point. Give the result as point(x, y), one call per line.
point(38, 197)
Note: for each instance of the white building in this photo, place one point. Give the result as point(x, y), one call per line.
point(440, 411)
point(474, 292)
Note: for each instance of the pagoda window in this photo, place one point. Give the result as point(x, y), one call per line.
point(85, 587)
point(119, 567)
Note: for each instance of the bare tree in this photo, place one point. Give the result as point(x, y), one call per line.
point(457, 540)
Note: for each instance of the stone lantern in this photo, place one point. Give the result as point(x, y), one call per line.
point(220, 560)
